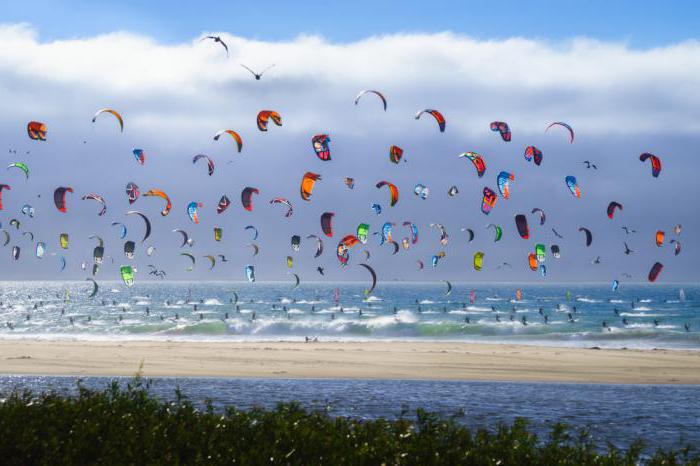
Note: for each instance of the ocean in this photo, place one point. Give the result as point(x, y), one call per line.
point(634, 316)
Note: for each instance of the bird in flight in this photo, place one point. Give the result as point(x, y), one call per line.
point(628, 251)
point(257, 75)
point(596, 260)
point(628, 230)
point(320, 270)
point(590, 164)
point(218, 40)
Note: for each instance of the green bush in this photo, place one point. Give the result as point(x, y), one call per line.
point(130, 426)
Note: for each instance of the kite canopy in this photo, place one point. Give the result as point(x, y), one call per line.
point(477, 160)
point(368, 91)
point(502, 128)
point(655, 163)
point(265, 116)
point(113, 112)
point(563, 125)
point(435, 114)
point(59, 198)
point(36, 131)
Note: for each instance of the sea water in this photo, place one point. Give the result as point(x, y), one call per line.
point(634, 316)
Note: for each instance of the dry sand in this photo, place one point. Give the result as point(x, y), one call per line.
point(372, 360)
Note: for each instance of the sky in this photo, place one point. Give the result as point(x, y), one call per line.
point(627, 84)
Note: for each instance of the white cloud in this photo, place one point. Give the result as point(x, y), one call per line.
point(599, 87)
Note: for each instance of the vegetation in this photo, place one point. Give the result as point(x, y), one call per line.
point(130, 426)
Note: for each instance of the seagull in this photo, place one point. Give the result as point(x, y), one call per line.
point(628, 251)
point(320, 270)
point(596, 260)
point(218, 40)
point(223, 258)
point(590, 164)
point(257, 75)
point(628, 230)
point(626, 275)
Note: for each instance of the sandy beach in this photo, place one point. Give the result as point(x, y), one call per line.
point(372, 360)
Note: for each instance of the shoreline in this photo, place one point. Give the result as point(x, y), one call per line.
point(350, 360)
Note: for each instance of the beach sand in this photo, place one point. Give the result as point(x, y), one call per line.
point(371, 360)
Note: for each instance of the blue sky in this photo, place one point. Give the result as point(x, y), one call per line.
point(638, 24)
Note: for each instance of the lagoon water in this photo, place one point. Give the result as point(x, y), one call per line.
point(635, 316)
point(665, 416)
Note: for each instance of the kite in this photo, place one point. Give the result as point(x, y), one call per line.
point(246, 198)
point(437, 115)
point(321, 146)
point(132, 192)
point(392, 189)
point(162, 195)
point(502, 128)
point(113, 112)
point(307, 185)
point(374, 278)
point(236, 137)
point(573, 186)
point(36, 131)
point(224, 203)
point(503, 180)
point(532, 152)
point(98, 198)
point(612, 207)
point(521, 224)
point(589, 235)
point(326, 223)
point(655, 163)
point(478, 261)
point(192, 211)
point(265, 115)
point(59, 198)
point(489, 200)
point(564, 125)
point(477, 160)
point(145, 220)
point(362, 232)
point(281, 200)
point(395, 154)
point(655, 271)
point(210, 162)
point(139, 155)
point(20, 166)
point(377, 93)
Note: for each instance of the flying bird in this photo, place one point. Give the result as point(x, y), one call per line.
point(596, 260)
point(629, 230)
point(320, 270)
point(257, 75)
point(590, 164)
point(628, 251)
point(217, 39)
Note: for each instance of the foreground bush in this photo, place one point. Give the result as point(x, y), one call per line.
point(130, 426)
